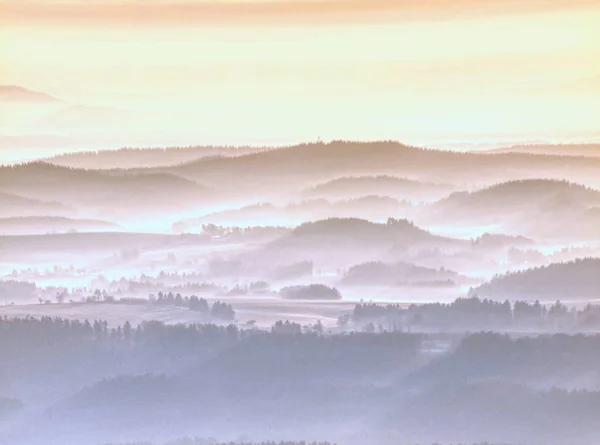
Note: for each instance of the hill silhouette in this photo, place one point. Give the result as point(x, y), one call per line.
point(378, 273)
point(590, 150)
point(558, 281)
point(115, 193)
point(15, 206)
point(280, 170)
point(343, 242)
point(14, 93)
point(367, 207)
point(144, 157)
point(529, 207)
point(383, 185)
point(518, 194)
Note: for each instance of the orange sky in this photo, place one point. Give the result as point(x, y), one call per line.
point(298, 69)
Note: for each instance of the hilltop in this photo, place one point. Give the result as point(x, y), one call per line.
point(343, 242)
point(513, 195)
point(382, 185)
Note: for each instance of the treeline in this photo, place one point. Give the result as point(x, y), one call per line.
point(290, 380)
point(50, 338)
point(21, 332)
point(12, 289)
point(471, 313)
point(58, 355)
point(218, 310)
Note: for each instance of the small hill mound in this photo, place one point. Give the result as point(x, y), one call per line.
point(383, 185)
point(381, 274)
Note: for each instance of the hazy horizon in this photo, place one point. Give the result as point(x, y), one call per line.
point(299, 222)
point(223, 72)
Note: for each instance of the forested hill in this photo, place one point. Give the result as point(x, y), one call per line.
point(573, 280)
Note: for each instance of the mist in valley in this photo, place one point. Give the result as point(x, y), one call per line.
point(372, 301)
point(299, 222)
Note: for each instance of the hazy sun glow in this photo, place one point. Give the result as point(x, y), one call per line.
point(252, 71)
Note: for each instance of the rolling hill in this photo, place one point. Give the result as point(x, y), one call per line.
point(281, 170)
point(116, 194)
point(382, 185)
point(17, 206)
point(367, 207)
point(144, 157)
point(588, 150)
point(14, 93)
point(575, 280)
point(516, 195)
point(530, 207)
point(336, 243)
point(381, 274)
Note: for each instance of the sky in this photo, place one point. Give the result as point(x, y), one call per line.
point(252, 71)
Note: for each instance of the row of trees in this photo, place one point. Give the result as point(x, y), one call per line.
point(218, 310)
point(56, 350)
point(310, 292)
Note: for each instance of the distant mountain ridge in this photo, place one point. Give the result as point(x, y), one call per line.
point(590, 149)
point(324, 162)
point(144, 157)
point(14, 93)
